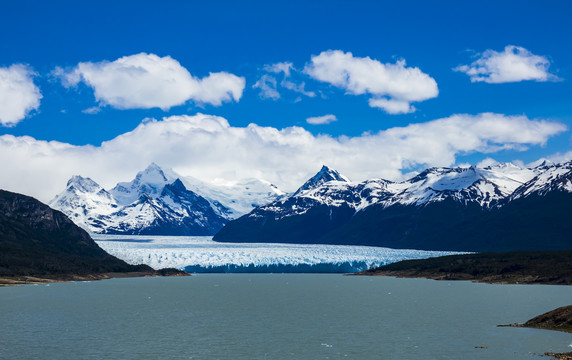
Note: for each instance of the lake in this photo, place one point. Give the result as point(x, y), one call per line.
point(277, 316)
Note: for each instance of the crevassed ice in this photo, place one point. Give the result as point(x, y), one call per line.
point(184, 251)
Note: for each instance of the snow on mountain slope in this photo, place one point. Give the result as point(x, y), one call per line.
point(325, 175)
point(552, 177)
point(484, 186)
point(82, 199)
point(241, 197)
point(175, 211)
point(160, 201)
point(149, 181)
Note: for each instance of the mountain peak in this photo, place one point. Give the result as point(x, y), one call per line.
point(149, 181)
point(83, 184)
point(153, 174)
point(323, 176)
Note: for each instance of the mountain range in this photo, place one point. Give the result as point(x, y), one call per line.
point(496, 208)
point(160, 202)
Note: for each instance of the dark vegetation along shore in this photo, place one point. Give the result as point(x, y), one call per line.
point(39, 244)
point(521, 267)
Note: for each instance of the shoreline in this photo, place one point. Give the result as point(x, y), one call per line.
point(524, 280)
point(519, 267)
point(559, 319)
point(49, 279)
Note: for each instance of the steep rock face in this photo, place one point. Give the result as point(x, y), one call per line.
point(37, 240)
point(467, 209)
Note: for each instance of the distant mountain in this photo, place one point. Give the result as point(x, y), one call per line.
point(501, 207)
point(36, 240)
point(159, 202)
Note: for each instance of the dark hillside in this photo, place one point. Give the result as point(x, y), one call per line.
point(38, 241)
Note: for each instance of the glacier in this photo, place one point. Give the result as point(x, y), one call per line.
point(200, 254)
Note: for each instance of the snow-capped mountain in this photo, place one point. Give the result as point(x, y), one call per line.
point(486, 187)
point(385, 213)
point(240, 197)
point(552, 178)
point(83, 198)
point(159, 202)
point(325, 175)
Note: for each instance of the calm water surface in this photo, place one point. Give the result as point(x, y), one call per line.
point(271, 316)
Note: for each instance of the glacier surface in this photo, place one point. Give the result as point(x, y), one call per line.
point(201, 254)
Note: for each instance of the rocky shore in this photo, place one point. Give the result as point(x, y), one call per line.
point(46, 279)
point(559, 319)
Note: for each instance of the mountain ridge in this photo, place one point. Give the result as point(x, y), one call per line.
point(158, 202)
point(438, 209)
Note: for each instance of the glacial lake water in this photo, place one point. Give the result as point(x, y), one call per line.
point(277, 316)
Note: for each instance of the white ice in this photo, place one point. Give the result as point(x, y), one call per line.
point(182, 251)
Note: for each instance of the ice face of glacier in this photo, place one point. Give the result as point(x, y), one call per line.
point(201, 254)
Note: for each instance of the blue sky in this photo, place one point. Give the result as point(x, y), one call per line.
point(242, 40)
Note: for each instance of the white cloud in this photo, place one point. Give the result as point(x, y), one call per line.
point(267, 85)
point(92, 110)
point(282, 67)
point(299, 88)
point(559, 157)
point(393, 86)
point(318, 120)
point(487, 162)
point(207, 147)
point(145, 81)
point(514, 64)
point(18, 94)
point(392, 106)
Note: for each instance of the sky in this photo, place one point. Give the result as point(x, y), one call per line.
point(225, 90)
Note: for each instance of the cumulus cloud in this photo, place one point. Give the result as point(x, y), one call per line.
point(392, 86)
point(514, 64)
point(319, 120)
point(207, 147)
point(18, 94)
point(145, 81)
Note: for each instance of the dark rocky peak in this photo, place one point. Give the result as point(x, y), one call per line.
point(323, 176)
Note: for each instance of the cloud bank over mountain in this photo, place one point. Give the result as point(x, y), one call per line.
point(209, 148)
